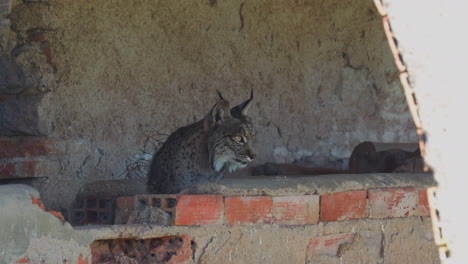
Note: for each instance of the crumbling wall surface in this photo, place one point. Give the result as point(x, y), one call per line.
point(406, 240)
point(30, 235)
point(108, 71)
point(374, 225)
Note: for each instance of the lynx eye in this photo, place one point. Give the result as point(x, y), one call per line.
point(238, 139)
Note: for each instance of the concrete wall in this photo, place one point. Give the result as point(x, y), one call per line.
point(96, 76)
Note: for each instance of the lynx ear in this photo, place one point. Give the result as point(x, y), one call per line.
point(242, 109)
point(220, 112)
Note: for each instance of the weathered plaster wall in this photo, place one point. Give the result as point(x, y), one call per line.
point(323, 76)
point(28, 230)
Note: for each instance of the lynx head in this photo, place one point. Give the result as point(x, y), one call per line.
point(231, 135)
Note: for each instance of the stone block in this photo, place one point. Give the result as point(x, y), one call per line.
point(327, 245)
point(374, 243)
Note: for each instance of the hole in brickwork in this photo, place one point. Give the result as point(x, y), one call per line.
point(170, 214)
point(79, 203)
point(78, 216)
point(105, 204)
point(142, 202)
point(171, 202)
point(156, 242)
point(92, 217)
point(104, 217)
point(91, 203)
point(169, 255)
point(175, 242)
point(156, 202)
point(169, 249)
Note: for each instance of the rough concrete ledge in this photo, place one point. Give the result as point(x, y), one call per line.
point(304, 185)
point(269, 185)
point(143, 231)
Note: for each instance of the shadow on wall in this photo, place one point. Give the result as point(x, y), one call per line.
point(366, 157)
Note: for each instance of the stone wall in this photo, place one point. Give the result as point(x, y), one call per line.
point(97, 77)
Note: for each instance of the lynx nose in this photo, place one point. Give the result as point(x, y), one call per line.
point(251, 154)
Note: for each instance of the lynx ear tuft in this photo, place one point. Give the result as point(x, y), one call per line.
point(242, 109)
point(220, 95)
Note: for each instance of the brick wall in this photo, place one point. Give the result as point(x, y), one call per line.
point(297, 211)
point(28, 157)
point(375, 225)
point(194, 210)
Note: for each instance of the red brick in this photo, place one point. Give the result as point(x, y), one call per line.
point(23, 260)
point(167, 249)
point(37, 36)
point(36, 168)
point(7, 170)
point(423, 206)
point(199, 210)
point(248, 210)
point(24, 169)
point(167, 202)
point(58, 215)
point(327, 245)
point(47, 49)
point(393, 202)
point(26, 147)
point(179, 246)
point(38, 202)
point(126, 202)
point(296, 210)
point(343, 206)
point(82, 260)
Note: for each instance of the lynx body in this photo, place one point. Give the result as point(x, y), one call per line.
point(203, 151)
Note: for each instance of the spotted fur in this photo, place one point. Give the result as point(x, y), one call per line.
point(203, 151)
